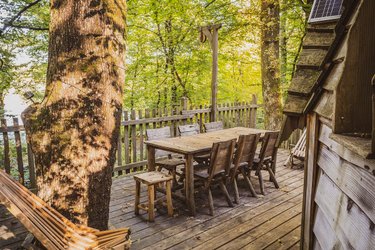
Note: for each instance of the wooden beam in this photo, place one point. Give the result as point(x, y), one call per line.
point(211, 33)
point(312, 131)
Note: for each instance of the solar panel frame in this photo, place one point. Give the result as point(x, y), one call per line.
point(325, 17)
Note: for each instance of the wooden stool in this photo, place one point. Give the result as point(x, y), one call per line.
point(151, 179)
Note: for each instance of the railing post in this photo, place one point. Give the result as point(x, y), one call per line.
point(253, 112)
point(184, 103)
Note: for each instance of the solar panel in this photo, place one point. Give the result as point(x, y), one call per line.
point(325, 10)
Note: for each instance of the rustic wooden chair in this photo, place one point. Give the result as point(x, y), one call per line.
point(298, 151)
point(220, 164)
point(243, 158)
point(190, 129)
point(213, 126)
point(165, 158)
point(266, 158)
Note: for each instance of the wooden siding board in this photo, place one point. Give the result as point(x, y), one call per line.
point(325, 105)
point(351, 225)
point(356, 183)
point(333, 79)
point(348, 155)
point(323, 231)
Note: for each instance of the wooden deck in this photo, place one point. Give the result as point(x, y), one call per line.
point(269, 222)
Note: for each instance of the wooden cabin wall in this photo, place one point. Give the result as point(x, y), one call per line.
point(339, 198)
point(354, 92)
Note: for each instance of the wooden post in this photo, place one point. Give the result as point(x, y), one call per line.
point(184, 103)
point(211, 33)
point(373, 118)
point(253, 112)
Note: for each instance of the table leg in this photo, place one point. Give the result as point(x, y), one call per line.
point(273, 167)
point(150, 158)
point(189, 186)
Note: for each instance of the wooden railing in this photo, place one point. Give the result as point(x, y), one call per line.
point(131, 153)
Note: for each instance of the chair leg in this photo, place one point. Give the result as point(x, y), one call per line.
point(151, 203)
point(236, 194)
point(173, 173)
point(169, 198)
point(225, 192)
point(261, 184)
point(137, 197)
point(210, 202)
point(273, 177)
point(248, 182)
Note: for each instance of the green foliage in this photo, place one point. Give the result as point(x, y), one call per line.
point(165, 59)
point(23, 51)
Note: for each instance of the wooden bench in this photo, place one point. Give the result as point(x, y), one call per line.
point(52, 229)
point(152, 179)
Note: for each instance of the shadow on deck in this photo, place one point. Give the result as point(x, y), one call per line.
point(269, 222)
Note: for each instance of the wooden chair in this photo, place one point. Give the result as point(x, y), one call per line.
point(298, 151)
point(190, 129)
point(213, 126)
point(243, 158)
point(266, 158)
point(152, 179)
point(168, 162)
point(220, 164)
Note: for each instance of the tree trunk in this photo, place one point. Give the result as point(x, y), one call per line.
point(270, 64)
point(74, 131)
point(2, 104)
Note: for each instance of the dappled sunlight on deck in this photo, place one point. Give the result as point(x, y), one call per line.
point(271, 221)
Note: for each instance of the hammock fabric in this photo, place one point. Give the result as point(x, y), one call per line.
point(52, 229)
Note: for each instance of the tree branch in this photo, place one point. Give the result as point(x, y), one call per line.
point(27, 27)
point(18, 15)
point(208, 4)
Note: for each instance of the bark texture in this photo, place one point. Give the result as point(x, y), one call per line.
point(74, 131)
point(270, 63)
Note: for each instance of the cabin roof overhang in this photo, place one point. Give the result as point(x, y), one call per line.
point(316, 61)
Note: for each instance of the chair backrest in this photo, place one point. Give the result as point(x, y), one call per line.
point(157, 134)
point(268, 145)
point(221, 158)
point(190, 129)
point(245, 153)
point(213, 126)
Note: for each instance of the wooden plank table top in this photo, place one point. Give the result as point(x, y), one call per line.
point(193, 145)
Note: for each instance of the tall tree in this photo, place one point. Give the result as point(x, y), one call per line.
point(270, 22)
point(74, 130)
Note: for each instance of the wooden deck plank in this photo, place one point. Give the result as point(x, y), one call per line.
point(287, 240)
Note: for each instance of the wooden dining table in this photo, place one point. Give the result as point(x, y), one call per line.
point(190, 146)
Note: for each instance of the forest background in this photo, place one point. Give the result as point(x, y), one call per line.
point(165, 59)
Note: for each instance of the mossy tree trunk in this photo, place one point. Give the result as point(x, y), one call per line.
point(2, 104)
point(270, 22)
point(74, 130)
